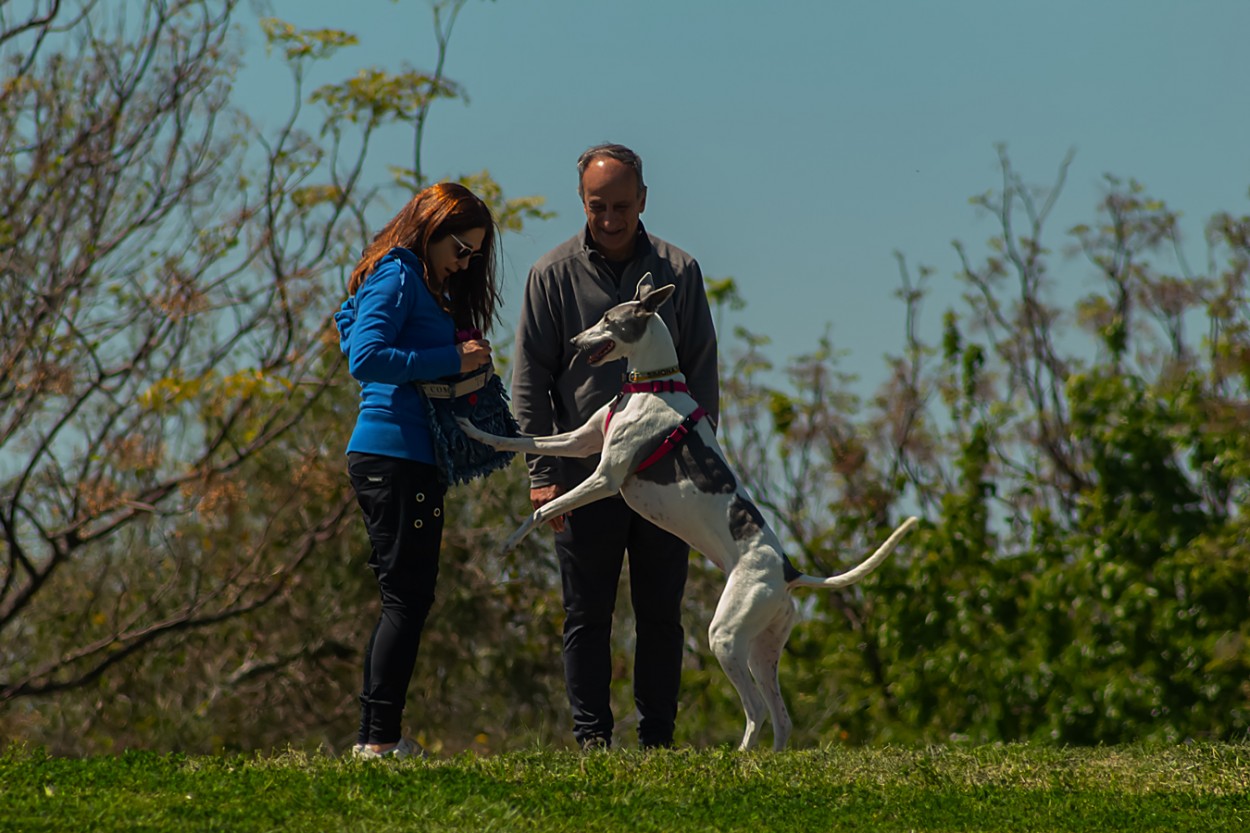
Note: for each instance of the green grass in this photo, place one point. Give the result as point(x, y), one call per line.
point(1201, 787)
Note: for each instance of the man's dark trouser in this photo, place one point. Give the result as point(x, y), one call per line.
point(402, 502)
point(591, 551)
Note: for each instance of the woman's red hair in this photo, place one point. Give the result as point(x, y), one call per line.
point(434, 213)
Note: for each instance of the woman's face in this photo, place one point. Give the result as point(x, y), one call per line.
point(453, 253)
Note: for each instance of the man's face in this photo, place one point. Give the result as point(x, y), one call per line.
point(613, 203)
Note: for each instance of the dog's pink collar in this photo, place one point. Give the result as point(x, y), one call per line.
point(658, 386)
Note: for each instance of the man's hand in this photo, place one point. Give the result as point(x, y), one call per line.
point(546, 494)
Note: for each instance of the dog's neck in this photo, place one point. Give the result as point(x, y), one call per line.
point(653, 356)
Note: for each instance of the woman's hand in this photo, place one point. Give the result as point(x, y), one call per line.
point(473, 354)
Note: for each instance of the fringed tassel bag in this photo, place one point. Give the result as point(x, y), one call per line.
point(480, 397)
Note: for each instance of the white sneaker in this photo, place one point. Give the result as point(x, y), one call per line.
point(404, 749)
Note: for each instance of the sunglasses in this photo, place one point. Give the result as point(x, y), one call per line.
point(465, 251)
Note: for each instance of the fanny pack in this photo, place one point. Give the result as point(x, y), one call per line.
point(480, 397)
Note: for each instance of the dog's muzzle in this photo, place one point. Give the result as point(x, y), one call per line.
point(602, 352)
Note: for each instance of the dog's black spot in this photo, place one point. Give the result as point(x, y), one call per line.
point(630, 327)
point(745, 520)
point(692, 460)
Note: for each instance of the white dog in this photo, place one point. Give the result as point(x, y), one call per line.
point(663, 458)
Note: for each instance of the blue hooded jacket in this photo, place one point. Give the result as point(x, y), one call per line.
point(393, 332)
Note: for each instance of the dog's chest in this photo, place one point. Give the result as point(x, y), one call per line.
point(650, 430)
point(686, 489)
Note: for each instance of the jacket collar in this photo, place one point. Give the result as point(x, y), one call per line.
point(642, 244)
point(408, 256)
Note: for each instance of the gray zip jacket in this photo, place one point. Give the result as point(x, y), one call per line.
point(554, 389)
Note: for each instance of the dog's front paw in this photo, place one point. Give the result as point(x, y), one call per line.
point(515, 538)
point(511, 543)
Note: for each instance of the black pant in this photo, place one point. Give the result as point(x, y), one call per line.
point(402, 503)
point(591, 551)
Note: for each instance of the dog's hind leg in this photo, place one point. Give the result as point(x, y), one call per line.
point(730, 642)
point(733, 653)
point(765, 664)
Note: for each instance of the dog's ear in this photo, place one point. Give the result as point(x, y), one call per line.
point(649, 297)
point(652, 300)
point(645, 286)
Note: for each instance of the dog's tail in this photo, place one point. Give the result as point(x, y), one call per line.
point(862, 569)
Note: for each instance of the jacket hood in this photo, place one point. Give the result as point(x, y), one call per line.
point(346, 315)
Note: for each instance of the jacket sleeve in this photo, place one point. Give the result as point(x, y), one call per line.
point(697, 351)
point(383, 303)
point(536, 366)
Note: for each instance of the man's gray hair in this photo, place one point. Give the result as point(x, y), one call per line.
point(611, 151)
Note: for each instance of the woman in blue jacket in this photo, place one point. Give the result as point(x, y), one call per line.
point(419, 298)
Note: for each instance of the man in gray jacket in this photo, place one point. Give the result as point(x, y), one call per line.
point(555, 390)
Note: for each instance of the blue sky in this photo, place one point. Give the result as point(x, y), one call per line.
point(796, 144)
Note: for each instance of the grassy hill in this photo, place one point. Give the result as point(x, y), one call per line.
point(1199, 787)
